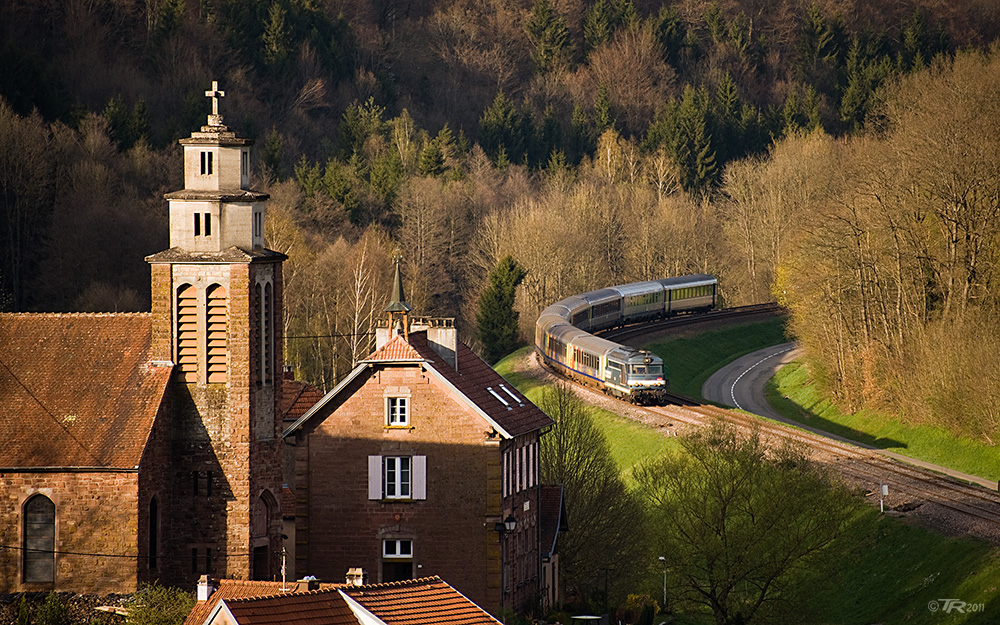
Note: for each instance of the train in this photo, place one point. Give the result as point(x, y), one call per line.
point(565, 343)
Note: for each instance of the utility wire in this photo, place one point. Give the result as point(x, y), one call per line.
point(52, 416)
point(329, 336)
point(108, 555)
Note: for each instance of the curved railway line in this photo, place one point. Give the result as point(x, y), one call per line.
point(962, 508)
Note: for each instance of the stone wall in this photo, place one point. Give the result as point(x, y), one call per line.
point(96, 521)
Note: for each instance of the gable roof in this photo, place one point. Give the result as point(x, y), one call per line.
point(297, 398)
point(320, 607)
point(425, 601)
point(482, 385)
point(241, 589)
point(475, 383)
point(77, 390)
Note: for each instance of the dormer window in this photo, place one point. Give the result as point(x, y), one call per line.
point(206, 163)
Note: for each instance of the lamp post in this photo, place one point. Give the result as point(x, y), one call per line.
point(664, 561)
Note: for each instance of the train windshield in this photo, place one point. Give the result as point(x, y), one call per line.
point(647, 371)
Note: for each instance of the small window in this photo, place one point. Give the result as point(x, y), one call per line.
point(397, 411)
point(397, 548)
point(397, 477)
point(397, 563)
point(197, 224)
point(206, 163)
point(208, 224)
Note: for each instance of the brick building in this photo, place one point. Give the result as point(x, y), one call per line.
point(411, 465)
point(145, 446)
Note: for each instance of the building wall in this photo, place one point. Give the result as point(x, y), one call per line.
point(95, 513)
point(453, 529)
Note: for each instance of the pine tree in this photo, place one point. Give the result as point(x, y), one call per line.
point(604, 116)
point(549, 35)
point(670, 33)
point(501, 125)
point(497, 319)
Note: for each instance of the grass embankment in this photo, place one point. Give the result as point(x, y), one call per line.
point(691, 359)
point(895, 570)
point(792, 393)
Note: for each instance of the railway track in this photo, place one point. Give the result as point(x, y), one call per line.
point(737, 313)
point(970, 508)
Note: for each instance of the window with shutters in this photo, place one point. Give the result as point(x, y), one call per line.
point(397, 477)
point(217, 337)
point(187, 333)
point(39, 540)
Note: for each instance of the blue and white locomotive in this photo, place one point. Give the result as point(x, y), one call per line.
point(564, 341)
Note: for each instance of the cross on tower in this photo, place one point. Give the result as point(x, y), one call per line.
point(215, 94)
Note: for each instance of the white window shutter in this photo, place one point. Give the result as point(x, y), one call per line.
point(374, 477)
point(420, 477)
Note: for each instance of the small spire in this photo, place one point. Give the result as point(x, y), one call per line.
point(398, 308)
point(398, 303)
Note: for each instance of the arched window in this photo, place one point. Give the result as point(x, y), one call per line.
point(39, 540)
point(218, 303)
point(187, 333)
point(154, 532)
point(268, 315)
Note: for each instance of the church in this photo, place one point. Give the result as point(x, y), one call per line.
point(167, 446)
point(145, 446)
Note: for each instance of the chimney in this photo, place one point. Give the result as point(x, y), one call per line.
point(356, 576)
point(306, 584)
point(205, 588)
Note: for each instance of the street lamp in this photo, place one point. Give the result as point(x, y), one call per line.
point(664, 561)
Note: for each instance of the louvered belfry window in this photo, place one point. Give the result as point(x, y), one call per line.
point(268, 314)
point(218, 303)
point(187, 333)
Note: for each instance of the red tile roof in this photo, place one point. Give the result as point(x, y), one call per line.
point(239, 589)
point(396, 349)
point(296, 398)
point(321, 607)
point(425, 601)
point(485, 387)
point(77, 390)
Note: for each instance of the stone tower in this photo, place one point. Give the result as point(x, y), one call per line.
point(217, 311)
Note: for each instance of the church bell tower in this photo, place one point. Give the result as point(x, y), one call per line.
point(217, 316)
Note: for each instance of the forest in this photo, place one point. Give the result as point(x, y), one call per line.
point(839, 156)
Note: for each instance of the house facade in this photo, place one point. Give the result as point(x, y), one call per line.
point(412, 465)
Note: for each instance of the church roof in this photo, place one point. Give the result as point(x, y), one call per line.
point(77, 390)
point(474, 382)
